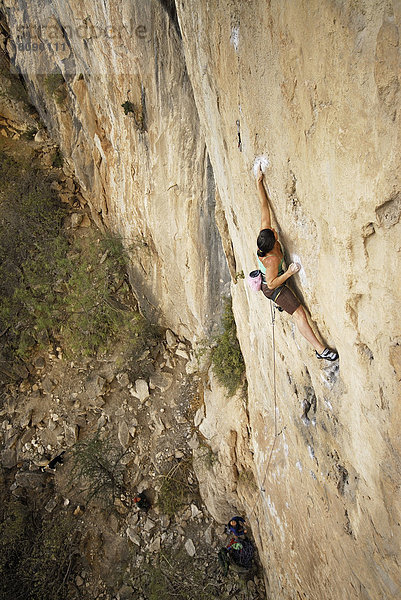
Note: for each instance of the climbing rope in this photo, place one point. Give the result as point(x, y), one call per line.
point(276, 434)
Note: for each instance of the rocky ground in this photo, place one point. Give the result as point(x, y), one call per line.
point(151, 418)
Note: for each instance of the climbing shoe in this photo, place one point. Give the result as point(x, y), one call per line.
point(327, 354)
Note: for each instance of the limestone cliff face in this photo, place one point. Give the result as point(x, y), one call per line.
point(315, 88)
point(146, 173)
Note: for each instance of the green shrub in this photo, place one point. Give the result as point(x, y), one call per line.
point(55, 86)
point(137, 113)
point(90, 320)
point(142, 336)
point(55, 287)
point(208, 457)
point(175, 488)
point(247, 478)
point(97, 467)
point(30, 133)
point(58, 159)
point(32, 250)
point(128, 107)
point(227, 360)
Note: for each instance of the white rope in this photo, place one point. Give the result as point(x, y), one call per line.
point(262, 489)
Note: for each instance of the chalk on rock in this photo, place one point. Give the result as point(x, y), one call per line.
point(260, 161)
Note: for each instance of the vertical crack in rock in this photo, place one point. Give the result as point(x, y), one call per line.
point(171, 9)
point(309, 403)
point(222, 226)
point(387, 66)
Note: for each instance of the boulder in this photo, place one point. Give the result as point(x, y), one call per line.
point(9, 458)
point(126, 592)
point(133, 536)
point(51, 504)
point(123, 434)
point(71, 434)
point(123, 379)
point(149, 524)
point(190, 548)
point(142, 389)
point(170, 338)
point(94, 386)
point(199, 416)
point(160, 380)
point(182, 351)
point(31, 480)
point(154, 546)
point(195, 512)
point(48, 385)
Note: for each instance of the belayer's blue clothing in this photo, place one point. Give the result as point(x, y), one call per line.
point(238, 528)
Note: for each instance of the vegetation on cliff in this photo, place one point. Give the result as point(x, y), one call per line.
point(227, 360)
point(56, 286)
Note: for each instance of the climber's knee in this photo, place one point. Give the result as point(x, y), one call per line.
point(299, 314)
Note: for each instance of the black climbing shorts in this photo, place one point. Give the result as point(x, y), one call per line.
point(285, 298)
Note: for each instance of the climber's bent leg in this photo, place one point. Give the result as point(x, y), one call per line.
point(301, 321)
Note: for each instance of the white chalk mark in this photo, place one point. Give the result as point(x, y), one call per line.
point(261, 161)
point(234, 38)
point(302, 275)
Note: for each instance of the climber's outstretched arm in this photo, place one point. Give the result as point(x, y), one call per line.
point(264, 202)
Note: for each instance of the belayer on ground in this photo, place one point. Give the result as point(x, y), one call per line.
point(236, 526)
point(239, 552)
point(141, 501)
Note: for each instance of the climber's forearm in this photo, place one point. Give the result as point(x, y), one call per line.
point(264, 205)
point(274, 283)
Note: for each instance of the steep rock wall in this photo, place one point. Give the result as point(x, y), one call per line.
point(146, 174)
point(315, 87)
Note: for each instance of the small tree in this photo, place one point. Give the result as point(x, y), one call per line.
point(97, 464)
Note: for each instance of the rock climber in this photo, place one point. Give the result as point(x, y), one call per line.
point(270, 261)
point(236, 525)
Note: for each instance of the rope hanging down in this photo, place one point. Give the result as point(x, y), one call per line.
point(262, 488)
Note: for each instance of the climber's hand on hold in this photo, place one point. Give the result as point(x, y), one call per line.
point(294, 268)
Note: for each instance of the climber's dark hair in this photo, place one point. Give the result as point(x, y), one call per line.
point(265, 241)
